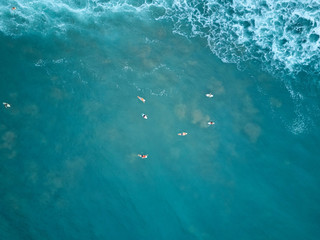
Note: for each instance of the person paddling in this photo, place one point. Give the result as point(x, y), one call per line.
point(144, 116)
point(182, 134)
point(141, 99)
point(6, 105)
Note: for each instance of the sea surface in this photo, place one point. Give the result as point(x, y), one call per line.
point(72, 70)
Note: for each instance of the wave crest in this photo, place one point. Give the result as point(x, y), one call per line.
point(283, 34)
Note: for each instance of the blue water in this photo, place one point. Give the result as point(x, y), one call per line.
point(72, 71)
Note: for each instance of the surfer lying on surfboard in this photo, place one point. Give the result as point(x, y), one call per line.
point(182, 134)
point(143, 155)
point(142, 99)
point(144, 116)
point(6, 105)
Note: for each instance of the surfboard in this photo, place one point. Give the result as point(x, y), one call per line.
point(182, 134)
point(142, 99)
point(6, 105)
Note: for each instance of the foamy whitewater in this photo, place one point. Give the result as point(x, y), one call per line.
point(71, 71)
point(282, 34)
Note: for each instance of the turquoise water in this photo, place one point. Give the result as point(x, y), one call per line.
point(72, 71)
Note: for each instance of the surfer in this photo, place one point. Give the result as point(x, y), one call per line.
point(6, 105)
point(210, 123)
point(182, 134)
point(13, 8)
point(143, 155)
point(142, 99)
point(209, 95)
point(144, 116)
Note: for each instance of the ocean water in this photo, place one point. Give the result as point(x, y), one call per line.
point(72, 71)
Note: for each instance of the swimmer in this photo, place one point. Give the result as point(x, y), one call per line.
point(211, 123)
point(209, 95)
point(13, 8)
point(142, 99)
point(144, 116)
point(6, 105)
point(143, 155)
point(182, 134)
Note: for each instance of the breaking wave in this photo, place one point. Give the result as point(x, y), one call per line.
point(283, 35)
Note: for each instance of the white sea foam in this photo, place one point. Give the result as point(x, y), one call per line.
point(283, 34)
point(40, 63)
point(160, 93)
point(58, 61)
